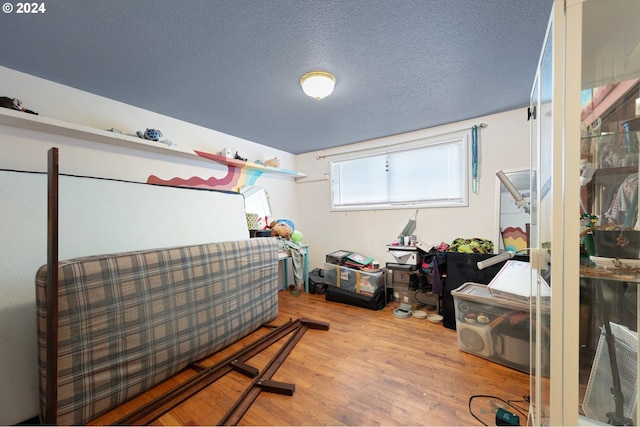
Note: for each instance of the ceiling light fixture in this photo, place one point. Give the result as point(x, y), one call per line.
point(318, 84)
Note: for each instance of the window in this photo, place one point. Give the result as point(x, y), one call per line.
point(430, 174)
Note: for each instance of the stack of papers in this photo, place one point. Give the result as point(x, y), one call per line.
point(513, 282)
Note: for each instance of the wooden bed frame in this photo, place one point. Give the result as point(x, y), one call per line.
point(233, 284)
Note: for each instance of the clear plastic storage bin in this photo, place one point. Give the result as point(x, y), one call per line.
point(492, 327)
point(356, 281)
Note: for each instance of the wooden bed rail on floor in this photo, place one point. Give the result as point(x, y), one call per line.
point(154, 409)
point(263, 382)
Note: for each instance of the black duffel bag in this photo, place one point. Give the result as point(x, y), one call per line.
point(316, 281)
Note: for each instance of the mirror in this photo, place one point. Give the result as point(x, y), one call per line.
point(512, 221)
point(256, 200)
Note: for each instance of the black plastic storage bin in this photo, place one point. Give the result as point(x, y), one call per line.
point(373, 302)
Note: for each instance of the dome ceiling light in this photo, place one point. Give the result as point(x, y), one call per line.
point(318, 84)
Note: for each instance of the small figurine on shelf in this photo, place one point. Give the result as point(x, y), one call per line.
point(274, 163)
point(238, 157)
point(155, 135)
point(150, 134)
point(588, 223)
point(14, 104)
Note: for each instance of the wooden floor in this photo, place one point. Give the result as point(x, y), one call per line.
point(369, 368)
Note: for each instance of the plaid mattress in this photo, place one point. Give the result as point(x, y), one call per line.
point(128, 321)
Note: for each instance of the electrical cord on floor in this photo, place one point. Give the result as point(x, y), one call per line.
point(509, 403)
point(524, 399)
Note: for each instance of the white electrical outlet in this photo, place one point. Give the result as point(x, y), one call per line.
point(638, 107)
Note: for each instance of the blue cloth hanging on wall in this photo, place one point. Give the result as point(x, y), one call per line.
point(474, 159)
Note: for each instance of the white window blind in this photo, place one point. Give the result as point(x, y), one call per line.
point(431, 174)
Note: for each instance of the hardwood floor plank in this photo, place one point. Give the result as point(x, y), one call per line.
point(369, 368)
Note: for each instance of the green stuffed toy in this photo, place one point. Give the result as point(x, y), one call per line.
point(297, 236)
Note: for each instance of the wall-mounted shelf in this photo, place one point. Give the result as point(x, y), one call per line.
point(39, 123)
point(248, 165)
point(58, 127)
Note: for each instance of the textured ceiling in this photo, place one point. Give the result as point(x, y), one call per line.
point(234, 65)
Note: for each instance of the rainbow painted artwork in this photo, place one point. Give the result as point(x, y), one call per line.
point(514, 239)
point(239, 173)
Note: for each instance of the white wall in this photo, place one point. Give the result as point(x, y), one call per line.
point(504, 144)
point(25, 149)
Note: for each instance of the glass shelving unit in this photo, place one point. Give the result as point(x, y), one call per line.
point(585, 144)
